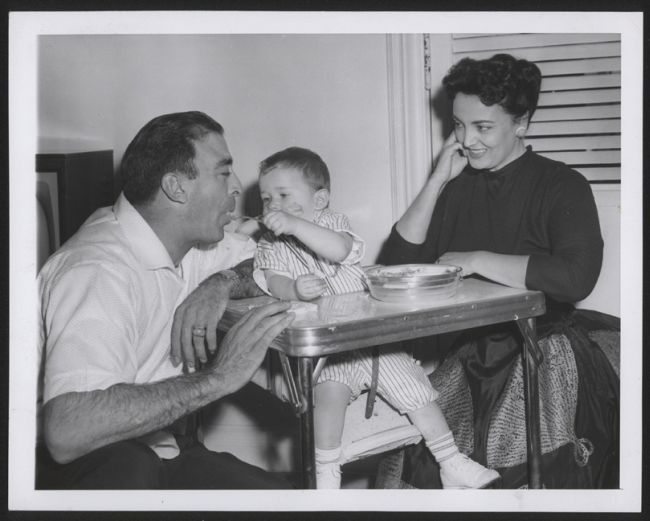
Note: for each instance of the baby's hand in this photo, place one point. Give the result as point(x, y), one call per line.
point(309, 287)
point(280, 222)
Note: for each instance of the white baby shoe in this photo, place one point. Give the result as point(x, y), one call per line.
point(459, 471)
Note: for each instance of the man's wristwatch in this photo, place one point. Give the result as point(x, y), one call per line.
point(229, 274)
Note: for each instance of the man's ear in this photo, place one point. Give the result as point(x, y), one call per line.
point(172, 185)
point(321, 199)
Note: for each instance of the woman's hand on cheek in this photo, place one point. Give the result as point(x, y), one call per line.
point(450, 161)
point(466, 260)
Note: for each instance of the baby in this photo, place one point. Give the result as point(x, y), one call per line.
point(309, 251)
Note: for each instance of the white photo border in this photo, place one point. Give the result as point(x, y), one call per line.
point(24, 29)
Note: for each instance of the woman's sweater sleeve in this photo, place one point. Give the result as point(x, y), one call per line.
point(569, 272)
point(397, 250)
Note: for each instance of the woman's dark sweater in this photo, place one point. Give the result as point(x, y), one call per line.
point(533, 206)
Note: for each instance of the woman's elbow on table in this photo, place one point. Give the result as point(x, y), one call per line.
point(582, 277)
point(573, 292)
point(563, 279)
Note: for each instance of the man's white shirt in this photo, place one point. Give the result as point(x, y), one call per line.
point(107, 302)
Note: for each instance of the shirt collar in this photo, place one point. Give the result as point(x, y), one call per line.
point(141, 237)
point(320, 214)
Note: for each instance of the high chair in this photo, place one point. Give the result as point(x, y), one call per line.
point(385, 430)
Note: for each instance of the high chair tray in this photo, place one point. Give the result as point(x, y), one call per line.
point(339, 323)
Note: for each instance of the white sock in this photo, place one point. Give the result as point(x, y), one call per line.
point(443, 448)
point(328, 455)
point(328, 468)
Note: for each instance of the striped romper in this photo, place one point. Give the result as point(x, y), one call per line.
point(402, 382)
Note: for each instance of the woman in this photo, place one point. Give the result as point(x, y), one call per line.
point(501, 212)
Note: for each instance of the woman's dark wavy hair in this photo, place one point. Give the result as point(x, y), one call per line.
point(165, 144)
point(313, 168)
point(502, 79)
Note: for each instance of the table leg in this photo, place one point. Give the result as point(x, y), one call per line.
point(306, 389)
point(294, 396)
point(532, 357)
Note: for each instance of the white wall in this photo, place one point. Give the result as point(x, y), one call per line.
point(325, 92)
point(606, 296)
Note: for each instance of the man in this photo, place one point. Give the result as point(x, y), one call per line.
point(112, 385)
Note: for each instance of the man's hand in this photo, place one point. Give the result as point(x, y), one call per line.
point(243, 348)
point(203, 307)
point(308, 287)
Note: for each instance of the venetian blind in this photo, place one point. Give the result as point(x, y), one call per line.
point(578, 120)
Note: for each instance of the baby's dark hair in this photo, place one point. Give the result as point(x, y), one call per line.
point(503, 79)
point(311, 165)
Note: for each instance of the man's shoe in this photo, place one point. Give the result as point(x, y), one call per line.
point(459, 471)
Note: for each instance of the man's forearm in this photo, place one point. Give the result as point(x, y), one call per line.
point(74, 424)
point(77, 423)
point(244, 285)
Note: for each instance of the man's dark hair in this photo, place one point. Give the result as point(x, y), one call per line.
point(165, 144)
point(313, 168)
point(502, 79)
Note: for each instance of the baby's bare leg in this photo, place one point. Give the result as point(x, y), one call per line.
point(330, 403)
point(430, 421)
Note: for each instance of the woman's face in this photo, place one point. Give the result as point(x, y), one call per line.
point(487, 133)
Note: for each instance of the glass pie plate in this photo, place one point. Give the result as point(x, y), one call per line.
point(413, 282)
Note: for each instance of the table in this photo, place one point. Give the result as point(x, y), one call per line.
point(338, 323)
